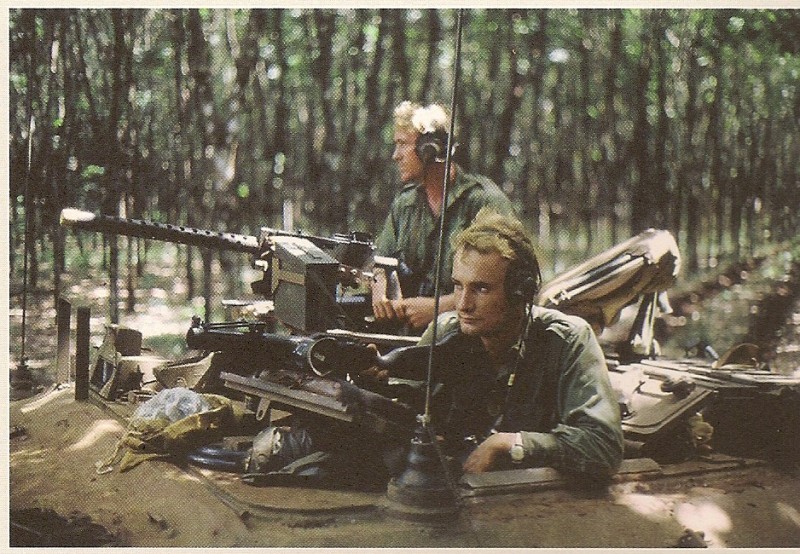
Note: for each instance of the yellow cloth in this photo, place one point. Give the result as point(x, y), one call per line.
point(148, 439)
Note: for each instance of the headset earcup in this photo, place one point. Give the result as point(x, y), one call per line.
point(528, 289)
point(517, 289)
point(521, 285)
point(430, 146)
point(427, 152)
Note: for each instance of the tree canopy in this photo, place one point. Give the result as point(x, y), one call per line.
point(597, 123)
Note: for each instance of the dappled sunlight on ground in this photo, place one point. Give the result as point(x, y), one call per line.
point(789, 513)
point(96, 432)
point(159, 320)
point(707, 517)
point(158, 294)
point(702, 515)
point(219, 477)
point(28, 456)
point(654, 507)
point(89, 289)
point(730, 512)
point(177, 474)
point(47, 397)
point(48, 313)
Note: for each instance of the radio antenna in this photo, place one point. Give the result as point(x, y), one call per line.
point(425, 490)
point(20, 379)
point(442, 217)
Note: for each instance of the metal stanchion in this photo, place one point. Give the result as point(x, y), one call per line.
point(82, 355)
point(63, 316)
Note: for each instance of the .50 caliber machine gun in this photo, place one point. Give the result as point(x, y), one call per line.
point(306, 276)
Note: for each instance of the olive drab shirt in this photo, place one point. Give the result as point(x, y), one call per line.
point(411, 232)
point(560, 399)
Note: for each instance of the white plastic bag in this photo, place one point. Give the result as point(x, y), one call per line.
point(172, 404)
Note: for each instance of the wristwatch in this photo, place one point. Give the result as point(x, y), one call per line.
point(517, 452)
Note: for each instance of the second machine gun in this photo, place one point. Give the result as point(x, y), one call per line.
point(306, 276)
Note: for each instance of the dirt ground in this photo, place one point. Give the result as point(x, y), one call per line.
point(157, 504)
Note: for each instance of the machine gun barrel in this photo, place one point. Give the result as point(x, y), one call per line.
point(88, 221)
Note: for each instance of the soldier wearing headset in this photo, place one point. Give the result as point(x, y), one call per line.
point(526, 385)
point(411, 231)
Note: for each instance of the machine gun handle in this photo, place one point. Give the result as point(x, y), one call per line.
point(406, 361)
point(330, 355)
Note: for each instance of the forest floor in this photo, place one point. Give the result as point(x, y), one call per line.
point(758, 300)
point(754, 301)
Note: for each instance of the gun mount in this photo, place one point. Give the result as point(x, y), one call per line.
point(306, 276)
point(320, 376)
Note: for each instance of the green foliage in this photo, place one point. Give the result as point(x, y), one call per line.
point(92, 171)
point(222, 116)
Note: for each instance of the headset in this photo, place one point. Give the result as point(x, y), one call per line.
point(431, 147)
point(523, 276)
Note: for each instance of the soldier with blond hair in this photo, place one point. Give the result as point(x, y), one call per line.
point(411, 230)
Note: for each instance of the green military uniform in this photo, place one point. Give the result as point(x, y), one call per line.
point(560, 398)
point(411, 232)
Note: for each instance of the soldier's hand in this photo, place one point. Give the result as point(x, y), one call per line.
point(383, 307)
point(488, 452)
point(388, 309)
point(417, 311)
point(374, 374)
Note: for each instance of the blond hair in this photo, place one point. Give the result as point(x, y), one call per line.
point(410, 116)
point(493, 232)
point(505, 235)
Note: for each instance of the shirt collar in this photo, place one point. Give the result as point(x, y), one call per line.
point(455, 190)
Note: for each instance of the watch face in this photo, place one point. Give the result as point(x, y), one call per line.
point(517, 453)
